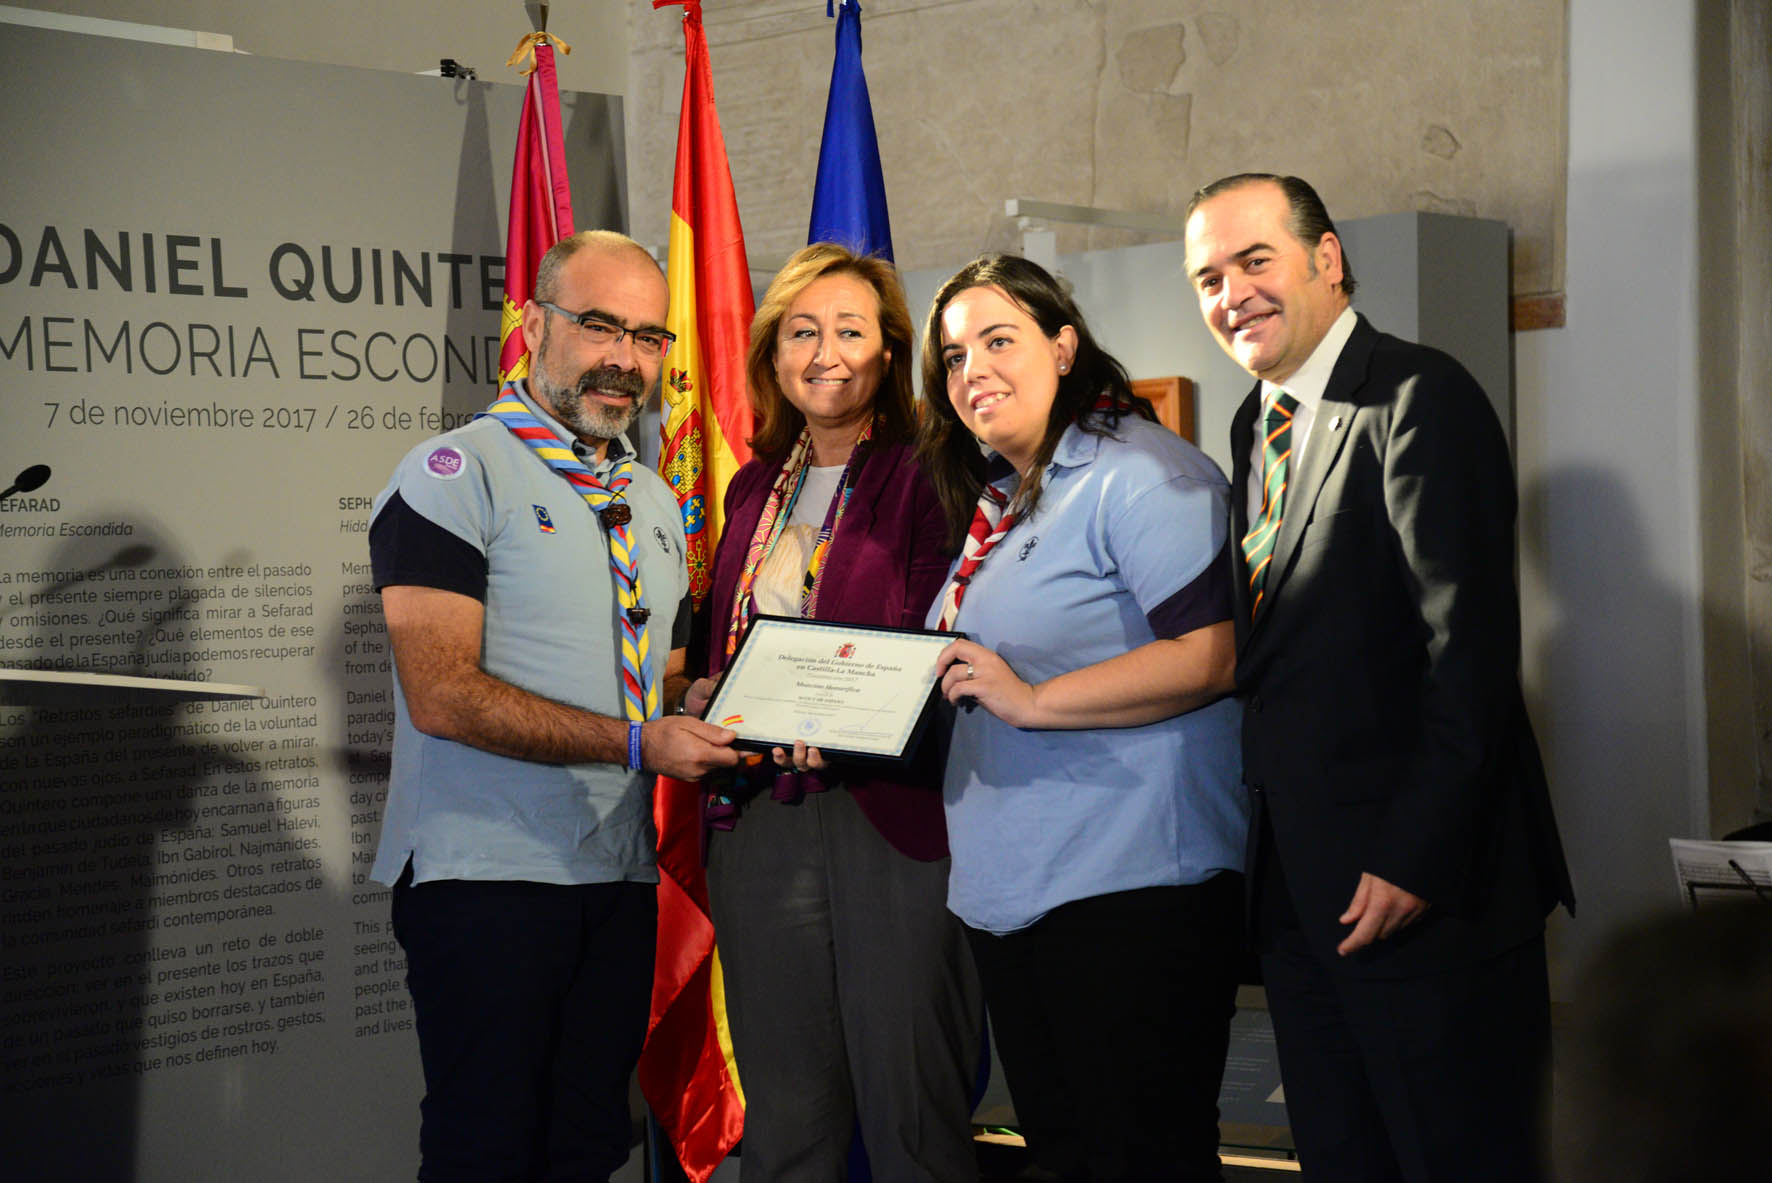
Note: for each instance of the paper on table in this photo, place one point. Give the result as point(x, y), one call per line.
point(1713, 871)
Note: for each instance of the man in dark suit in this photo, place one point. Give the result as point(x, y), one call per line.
point(1403, 854)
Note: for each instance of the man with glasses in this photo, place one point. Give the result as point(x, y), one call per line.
point(532, 576)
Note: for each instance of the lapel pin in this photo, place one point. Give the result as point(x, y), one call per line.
point(1334, 422)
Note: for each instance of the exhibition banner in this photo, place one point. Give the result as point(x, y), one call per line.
point(234, 291)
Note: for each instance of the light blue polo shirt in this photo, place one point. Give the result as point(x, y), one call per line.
point(1039, 818)
point(551, 628)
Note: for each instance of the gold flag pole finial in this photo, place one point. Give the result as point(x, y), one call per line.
point(538, 19)
point(526, 49)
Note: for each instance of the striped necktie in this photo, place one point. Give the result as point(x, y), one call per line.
point(1276, 463)
point(640, 697)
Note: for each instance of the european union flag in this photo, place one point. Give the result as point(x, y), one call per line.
point(849, 200)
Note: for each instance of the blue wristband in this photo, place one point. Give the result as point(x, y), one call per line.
point(633, 747)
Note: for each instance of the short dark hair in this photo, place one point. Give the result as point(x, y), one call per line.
point(1310, 218)
point(1093, 393)
point(547, 272)
point(777, 421)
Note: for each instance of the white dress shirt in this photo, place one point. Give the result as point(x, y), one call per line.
point(1307, 386)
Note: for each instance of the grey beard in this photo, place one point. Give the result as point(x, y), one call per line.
point(590, 421)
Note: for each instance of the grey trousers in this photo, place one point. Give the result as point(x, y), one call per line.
point(852, 996)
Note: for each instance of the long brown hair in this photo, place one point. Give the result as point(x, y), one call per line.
point(778, 421)
point(1093, 394)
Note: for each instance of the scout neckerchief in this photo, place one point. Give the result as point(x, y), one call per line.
point(989, 524)
point(776, 512)
point(639, 690)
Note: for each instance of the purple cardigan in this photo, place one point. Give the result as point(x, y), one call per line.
point(887, 562)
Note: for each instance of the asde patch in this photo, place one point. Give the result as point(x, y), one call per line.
point(542, 519)
point(445, 463)
point(663, 539)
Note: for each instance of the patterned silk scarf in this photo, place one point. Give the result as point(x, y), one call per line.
point(776, 512)
point(989, 524)
point(640, 693)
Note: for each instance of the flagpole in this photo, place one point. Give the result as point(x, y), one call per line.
point(687, 1070)
point(541, 196)
point(849, 196)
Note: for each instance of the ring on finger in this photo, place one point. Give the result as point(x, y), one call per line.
point(970, 672)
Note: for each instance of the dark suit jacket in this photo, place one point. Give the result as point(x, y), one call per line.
point(887, 561)
point(1384, 728)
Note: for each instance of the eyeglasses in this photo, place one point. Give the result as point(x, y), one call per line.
point(600, 330)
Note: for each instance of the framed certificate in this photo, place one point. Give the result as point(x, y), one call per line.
point(854, 690)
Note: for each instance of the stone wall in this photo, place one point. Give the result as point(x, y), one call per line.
point(1452, 106)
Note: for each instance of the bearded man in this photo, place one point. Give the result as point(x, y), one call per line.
point(534, 585)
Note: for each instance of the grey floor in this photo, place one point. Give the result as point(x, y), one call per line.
point(1252, 1114)
point(995, 1166)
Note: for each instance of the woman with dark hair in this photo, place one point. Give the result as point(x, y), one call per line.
point(1092, 787)
point(852, 996)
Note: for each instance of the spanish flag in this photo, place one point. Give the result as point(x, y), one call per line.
point(707, 419)
point(541, 196)
point(687, 1070)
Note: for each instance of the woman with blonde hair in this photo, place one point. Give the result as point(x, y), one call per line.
point(852, 996)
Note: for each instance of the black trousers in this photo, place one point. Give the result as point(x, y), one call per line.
point(1112, 1019)
point(1433, 1078)
point(1429, 1078)
point(530, 1002)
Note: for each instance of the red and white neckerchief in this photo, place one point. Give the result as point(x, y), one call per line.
point(989, 524)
